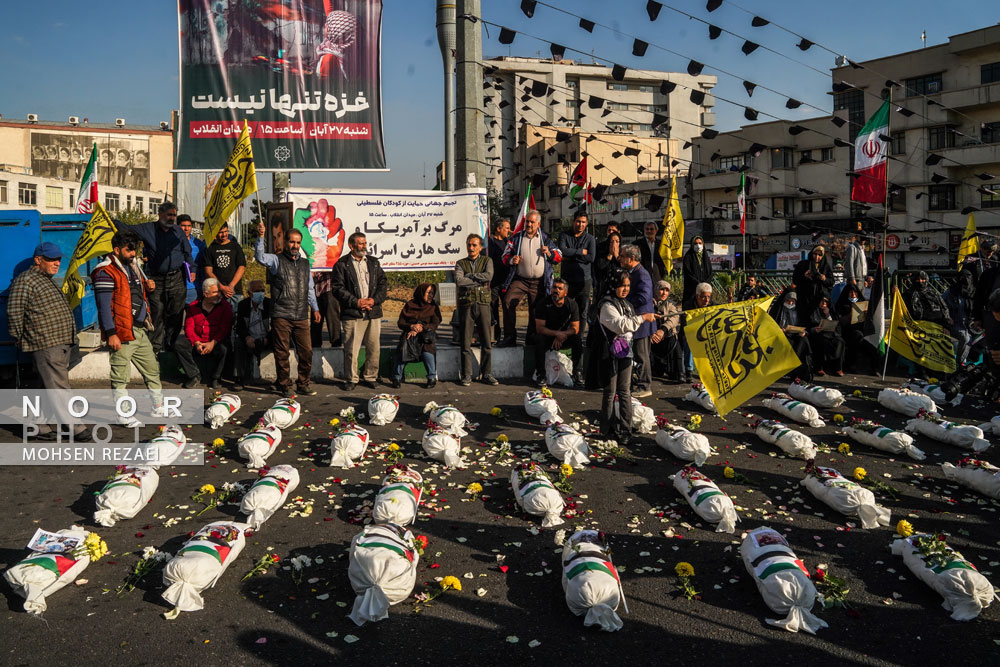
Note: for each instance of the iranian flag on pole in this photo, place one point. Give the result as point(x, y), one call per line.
point(522, 216)
point(88, 185)
point(870, 149)
point(741, 201)
point(578, 181)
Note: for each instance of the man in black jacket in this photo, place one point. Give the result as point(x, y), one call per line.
point(649, 253)
point(697, 270)
point(359, 285)
point(253, 333)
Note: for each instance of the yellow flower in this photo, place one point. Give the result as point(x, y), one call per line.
point(546, 392)
point(684, 569)
point(860, 474)
point(474, 488)
point(334, 421)
point(838, 419)
point(502, 438)
point(904, 528)
point(857, 393)
point(565, 470)
point(844, 448)
point(93, 547)
point(451, 582)
point(218, 442)
point(932, 381)
point(695, 419)
point(729, 473)
point(207, 488)
point(393, 447)
point(496, 412)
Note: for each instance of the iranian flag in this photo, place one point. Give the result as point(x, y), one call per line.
point(88, 186)
point(578, 181)
point(741, 201)
point(870, 150)
point(522, 216)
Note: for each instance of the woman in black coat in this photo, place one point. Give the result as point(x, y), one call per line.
point(697, 269)
point(813, 279)
point(828, 346)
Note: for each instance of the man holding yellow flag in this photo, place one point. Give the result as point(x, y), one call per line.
point(237, 182)
point(94, 242)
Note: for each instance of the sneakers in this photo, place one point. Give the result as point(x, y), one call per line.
point(394, 383)
point(350, 386)
point(489, 379)
point(431, 383)
point(305, 390)
point(213, 383)
point(287, 392)
point(642, 393)
point(130, 422)
point(191, 383)
point(465, 382)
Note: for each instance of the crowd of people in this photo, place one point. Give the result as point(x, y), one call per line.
point(610, 309)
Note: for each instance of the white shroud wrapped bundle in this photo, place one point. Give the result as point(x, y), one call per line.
point(966, 592)
point(221, 409)
point(782, 579)
point(567, 445)
point(643, 417)
point(348, 446)
point(814, 394)
point(398, 499)
point(540, 406)
point(126, 494)
point(906, 402)
point(933, 390)
point(535, 494)
point(42, 574)
point(382, 409)
point(383, 570)
point(978, 475)
point(790, 442)
point(284, 413)
point(447, 417)
point(846, 496)
point(257, 445)
point(684, 444)
point(880, 437)
point(965, 436)
point(268, 494)
point(443, 445)
point(200, 562)
point(992, 426)
point(786, 406)
point(168, 445)
point(591, 582)
point(706, 499)
point(700, 396)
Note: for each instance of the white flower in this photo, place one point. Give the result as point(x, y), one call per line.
point(430, 406)
point(149, 552)
point(301, 561)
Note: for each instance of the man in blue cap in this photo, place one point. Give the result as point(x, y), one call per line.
point(41, 324)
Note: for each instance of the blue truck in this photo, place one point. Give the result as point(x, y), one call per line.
point(20, 232)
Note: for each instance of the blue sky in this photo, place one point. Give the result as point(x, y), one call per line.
point(118, 58)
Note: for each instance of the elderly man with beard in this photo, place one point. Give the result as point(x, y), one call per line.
point(531, 255)
point(293, 295)
point(207, 332)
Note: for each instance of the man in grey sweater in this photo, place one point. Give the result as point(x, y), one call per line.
point(855, 262)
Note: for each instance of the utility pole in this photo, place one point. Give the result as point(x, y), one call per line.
point(446, 40)
point(469, 151)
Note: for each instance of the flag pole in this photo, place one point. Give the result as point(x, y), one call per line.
point(885, 231)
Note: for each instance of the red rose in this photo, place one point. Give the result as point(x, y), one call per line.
point(275, 558)
point(422, 541)
point(820, 574)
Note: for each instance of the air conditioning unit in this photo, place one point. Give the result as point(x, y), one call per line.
point(74, 120)
point(32, 117)
point(119, 122)
point(164, 125)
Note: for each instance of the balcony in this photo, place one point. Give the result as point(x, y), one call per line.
point(972, 154)
point(971, 97)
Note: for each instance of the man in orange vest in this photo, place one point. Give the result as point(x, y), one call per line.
point(123, 315)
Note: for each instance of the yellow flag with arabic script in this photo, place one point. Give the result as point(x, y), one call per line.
point(970, 241)
point(738, 350)
point(672, 241)
point(95, 241)
point(922, 342)
point(237, 181)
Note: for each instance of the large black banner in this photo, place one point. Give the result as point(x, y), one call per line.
point(304, 74)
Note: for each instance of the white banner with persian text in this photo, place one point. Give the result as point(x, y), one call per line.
point(406, 230)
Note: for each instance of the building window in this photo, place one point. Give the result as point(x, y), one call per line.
point(854, 102)
point(897, 145)
point(990, 73)
point(139, 204)
point(728, 211)
point(620, 127)
point(72, 197)
point(572, 84)
point(826, 154)
point(3, 192)
point(617, 86)
point(53, 197)
point(128, 202)
point(572, 104)
point(781, 207)
point(111, 201)
point(923, 85)
point(806, 206)
point(991, 133)
point(27, 194)
point(617, 106)
point(990, 196)
point(643, 127)
point(781, 158)
point(942, 198)
point(731, 162)
point(829, 205)
point(897, 200)
point(643, 88)
point(806, 156)
point(940, 137)
point(154, 205)
point(553, 191)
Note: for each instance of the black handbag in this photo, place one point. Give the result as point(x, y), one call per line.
point(411, 349)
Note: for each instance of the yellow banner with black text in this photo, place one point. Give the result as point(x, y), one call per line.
point(95, 241)
point(920, 341)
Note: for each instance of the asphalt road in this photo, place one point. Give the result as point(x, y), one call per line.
point(270, 620)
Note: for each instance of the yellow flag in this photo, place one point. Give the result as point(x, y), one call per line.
point(234, 185)
point(95, 241)
point(921, 342)
point(970, 242)
point(672, 242)
point(738, 350)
